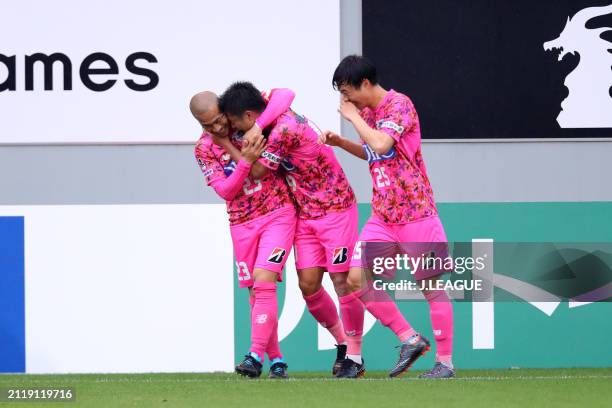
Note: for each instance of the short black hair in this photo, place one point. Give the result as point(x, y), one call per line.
point(241, 97)
point(352, 70)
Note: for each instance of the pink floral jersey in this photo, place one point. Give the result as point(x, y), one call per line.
point(314, 175)
point(401, 189)
point(246, 198)
point(253, 198)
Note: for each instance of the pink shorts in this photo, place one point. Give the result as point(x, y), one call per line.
point(424, 236)
point(264, 243)
point(326, 242)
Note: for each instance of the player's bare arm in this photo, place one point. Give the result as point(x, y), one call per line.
point(228, 146)
point(333, 139)
point(258, 170)
point(379, 141)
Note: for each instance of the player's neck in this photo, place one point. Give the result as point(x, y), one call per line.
point(378, 94)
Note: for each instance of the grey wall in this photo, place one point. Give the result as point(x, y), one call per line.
point(116, 174)
point(460, 171)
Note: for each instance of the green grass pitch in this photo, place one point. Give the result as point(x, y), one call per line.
point(472, 388)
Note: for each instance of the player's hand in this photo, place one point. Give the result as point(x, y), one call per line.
point(348, 110)
point(330, 138)
point(251, 151)
point(253, 134)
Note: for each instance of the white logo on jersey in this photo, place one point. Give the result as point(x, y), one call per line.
point(272, 157)
point(389, 125)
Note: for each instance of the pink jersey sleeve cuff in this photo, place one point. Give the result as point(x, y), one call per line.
point(280, 101)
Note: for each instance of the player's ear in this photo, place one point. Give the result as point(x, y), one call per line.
point(365, 84)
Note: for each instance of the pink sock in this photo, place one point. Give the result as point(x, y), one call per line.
point(264, 317)
point(352, 312)
point(273, 349)
point(441, 314)
point(322, 308)
point(386, 311)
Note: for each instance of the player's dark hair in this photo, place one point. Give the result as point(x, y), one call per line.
point(352, 70)
point(241, 97)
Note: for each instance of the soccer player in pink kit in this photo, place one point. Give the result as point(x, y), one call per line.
point(327, 211)
point(262, 220)
point(402, 204)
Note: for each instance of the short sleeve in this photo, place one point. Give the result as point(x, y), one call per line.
point(397, 119)
point(277, 146)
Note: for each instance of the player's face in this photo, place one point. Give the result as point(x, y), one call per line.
point(358, 96)
point(243, 122)
point(214, 122)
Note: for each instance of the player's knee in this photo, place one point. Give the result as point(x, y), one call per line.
point(341, 285)
point(309, 287)
point(264, 275)
point(354, 280)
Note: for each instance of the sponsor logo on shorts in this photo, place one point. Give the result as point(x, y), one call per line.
point(340, 255)
point(270, 156)
point(277, 255)
point(261, 318)
point(389, 125)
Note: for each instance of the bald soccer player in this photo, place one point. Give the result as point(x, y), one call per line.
point(262, 220)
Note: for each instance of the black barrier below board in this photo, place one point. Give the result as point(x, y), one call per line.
point(478, 69)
